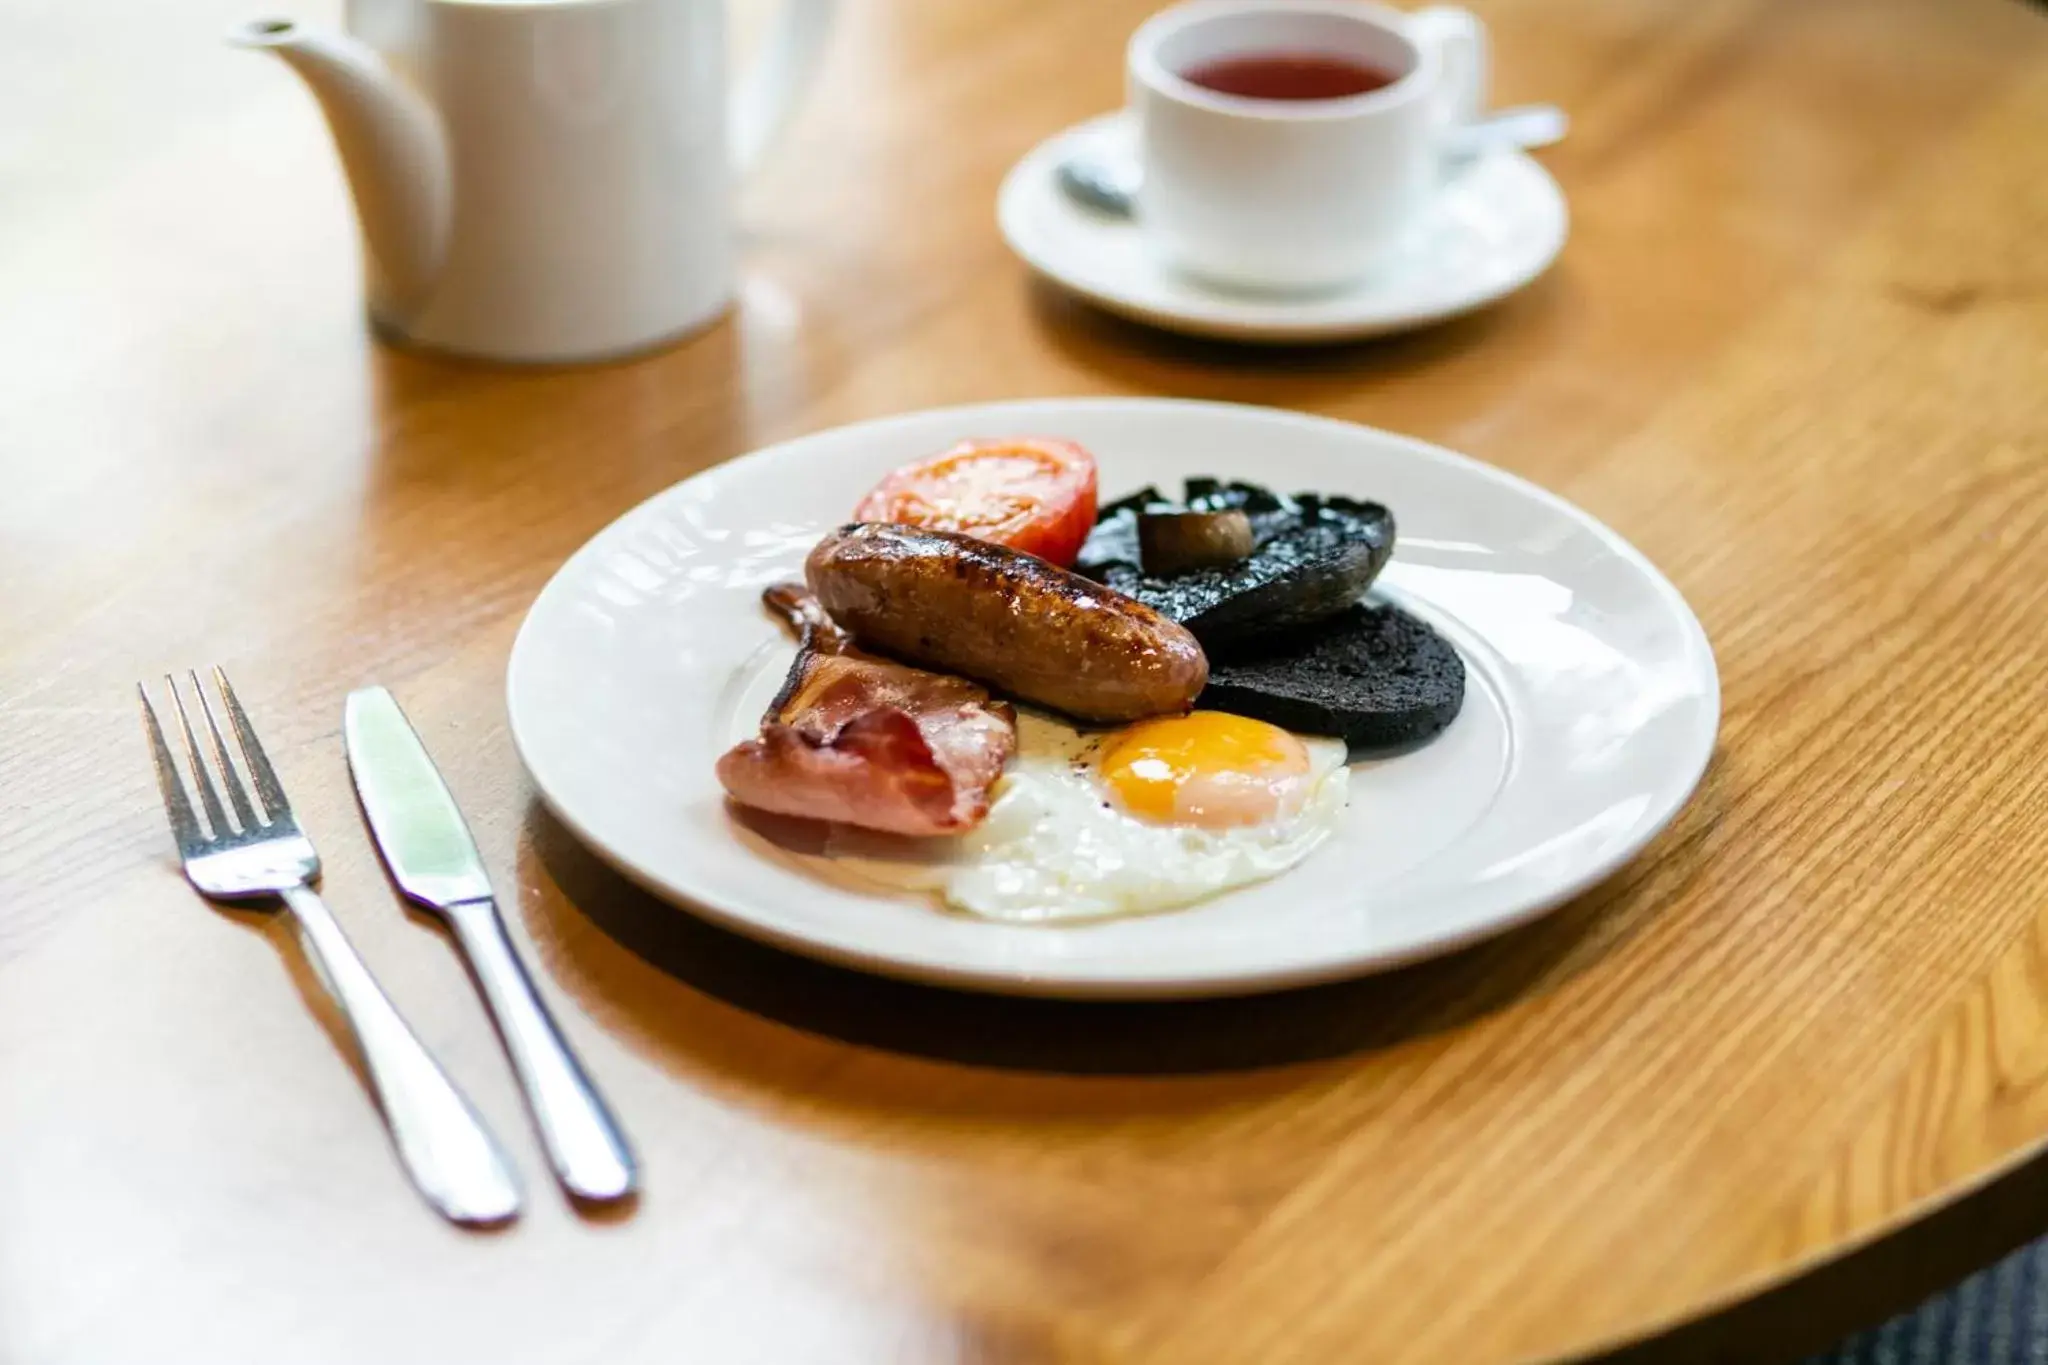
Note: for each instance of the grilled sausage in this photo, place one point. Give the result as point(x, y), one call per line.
point(1028, 628)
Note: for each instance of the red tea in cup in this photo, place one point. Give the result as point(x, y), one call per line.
point(1289, 76)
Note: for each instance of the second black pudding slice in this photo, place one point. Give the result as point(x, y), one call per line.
point(1375, 676)
point(1312, 557)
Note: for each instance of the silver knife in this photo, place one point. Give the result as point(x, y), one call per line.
point(435, 863)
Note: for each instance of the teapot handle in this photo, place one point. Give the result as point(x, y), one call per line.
point(769, 92)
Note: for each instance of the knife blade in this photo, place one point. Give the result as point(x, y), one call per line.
point(434, 860)
point(424, 839)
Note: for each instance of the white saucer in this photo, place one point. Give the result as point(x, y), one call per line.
point(1591, 707)
point(1496, 226)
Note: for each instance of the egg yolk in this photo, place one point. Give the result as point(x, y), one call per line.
point(1209, 769)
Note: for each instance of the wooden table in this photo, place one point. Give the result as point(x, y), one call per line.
point(1797, 350)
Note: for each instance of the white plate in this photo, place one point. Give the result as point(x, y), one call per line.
point(1496, 226)
point(1591, 708)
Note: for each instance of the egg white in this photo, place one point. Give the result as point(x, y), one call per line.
point(1055, 847)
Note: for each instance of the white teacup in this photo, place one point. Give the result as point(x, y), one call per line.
point(1296, 194)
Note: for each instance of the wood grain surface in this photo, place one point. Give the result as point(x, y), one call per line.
point(1796, 350)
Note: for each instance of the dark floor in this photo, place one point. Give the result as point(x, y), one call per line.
point(1996, 1317)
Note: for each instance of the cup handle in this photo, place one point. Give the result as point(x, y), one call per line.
point(770, 90)
point(1459, 40)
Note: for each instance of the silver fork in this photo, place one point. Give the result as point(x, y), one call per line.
point(262, 856)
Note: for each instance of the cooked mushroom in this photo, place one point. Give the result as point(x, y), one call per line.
point(1175, 542)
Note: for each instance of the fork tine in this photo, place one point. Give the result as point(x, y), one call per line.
point(208, 798)
point(267, 786)
point(238, 794)
point(184, 823)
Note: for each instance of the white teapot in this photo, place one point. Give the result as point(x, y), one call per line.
point(545, 180)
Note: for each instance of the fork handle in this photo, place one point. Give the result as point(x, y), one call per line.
point(452, 1158)
point(584, 1143)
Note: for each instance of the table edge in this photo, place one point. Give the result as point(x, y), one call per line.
point(1803, 1309)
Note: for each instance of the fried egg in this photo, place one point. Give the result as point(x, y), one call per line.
point(1160, 814)
point(1157, 815)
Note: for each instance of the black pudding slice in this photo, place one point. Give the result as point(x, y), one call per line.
point(1313, 557)
point(1375, 675)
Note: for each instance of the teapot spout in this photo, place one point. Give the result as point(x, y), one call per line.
point(392, 148)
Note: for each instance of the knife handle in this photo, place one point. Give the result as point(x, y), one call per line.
point(452, 1158)
point(583, 1140)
